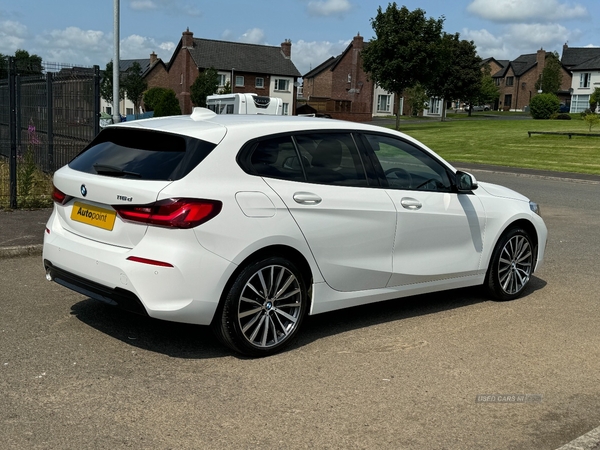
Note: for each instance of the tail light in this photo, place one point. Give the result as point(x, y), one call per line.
point(171, 213)
point(58, 196)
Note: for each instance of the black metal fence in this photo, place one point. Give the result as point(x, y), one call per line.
point(49, 117)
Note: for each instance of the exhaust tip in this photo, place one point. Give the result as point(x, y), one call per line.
point(48, 275)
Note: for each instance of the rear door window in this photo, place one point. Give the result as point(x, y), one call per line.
point(141, 154)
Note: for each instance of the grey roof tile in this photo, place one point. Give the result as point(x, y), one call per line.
point(223, 55)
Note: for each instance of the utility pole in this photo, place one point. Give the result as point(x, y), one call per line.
point(116, 71)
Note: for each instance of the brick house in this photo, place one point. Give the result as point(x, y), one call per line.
point(584, 64)
point(248, 68)
point(341, 88)
point(516, 81)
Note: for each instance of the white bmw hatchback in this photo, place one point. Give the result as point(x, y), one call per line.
point(249, 223)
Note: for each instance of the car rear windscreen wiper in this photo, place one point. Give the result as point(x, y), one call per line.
point(113, 171)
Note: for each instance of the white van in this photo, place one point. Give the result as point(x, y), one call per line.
point(244, 104)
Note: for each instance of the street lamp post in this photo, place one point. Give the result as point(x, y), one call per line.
point(116, 99)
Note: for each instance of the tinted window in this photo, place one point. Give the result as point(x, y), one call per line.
point(331, 158)
point(277, 158)
point(141, 154)
point(407, 167)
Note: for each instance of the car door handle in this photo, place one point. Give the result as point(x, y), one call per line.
point(410, 203)
point(307, 198)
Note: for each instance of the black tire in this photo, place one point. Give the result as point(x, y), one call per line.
point(263, 309)
point(511, 265)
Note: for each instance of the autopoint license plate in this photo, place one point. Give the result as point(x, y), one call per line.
point(93, 215)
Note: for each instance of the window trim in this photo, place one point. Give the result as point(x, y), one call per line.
point(238, 77)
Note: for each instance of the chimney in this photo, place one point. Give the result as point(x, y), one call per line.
point(358, 42)
point(187, 40)
point(541, 60)
point(565, 47)
point(153, 58)
point(286, 48)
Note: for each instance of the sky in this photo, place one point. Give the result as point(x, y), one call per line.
point(81, 32)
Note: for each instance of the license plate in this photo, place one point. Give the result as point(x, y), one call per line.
point(93, 215)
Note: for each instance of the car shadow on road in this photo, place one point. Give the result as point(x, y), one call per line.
point(198, 342)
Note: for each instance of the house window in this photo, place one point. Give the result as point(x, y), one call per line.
point(584, 79)
point(498, 81)
point(239, 81)
point(282, 85)
point(129, 111)
point(260, 83)
point(580, 103)
point(434, 105)
point(383, 103)
point(109, 110)
point(510, 81)
point(286, 108)
point(507, 102)
point(222, 79)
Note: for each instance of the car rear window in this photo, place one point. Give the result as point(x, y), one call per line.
point(141, 154)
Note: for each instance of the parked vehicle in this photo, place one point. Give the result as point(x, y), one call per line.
point(477, 107)
point(249, 223)
point(244, 104)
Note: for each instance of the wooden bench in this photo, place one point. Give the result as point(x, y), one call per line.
point(563, 133)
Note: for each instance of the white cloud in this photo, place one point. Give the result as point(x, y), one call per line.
point(140, 47)
point(328, 7)
point(143, 5)
point(171, 7)
point(526, 10)
point(308, 55)
point(518, 39)
point(12, 36)
point(74, 45)
point(253, 36)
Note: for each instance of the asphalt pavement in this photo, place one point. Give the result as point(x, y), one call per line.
point(22, 231)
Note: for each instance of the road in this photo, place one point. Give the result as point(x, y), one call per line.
point(403, 374)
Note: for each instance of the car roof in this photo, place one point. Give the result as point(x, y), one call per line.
point(206, 125)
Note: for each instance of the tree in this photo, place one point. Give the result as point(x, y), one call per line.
point(25, 64)
point(458, 75)
point(205, 84)
point(134, 85)
point(168, 105)
point(594, 99)
point(550, 79)
point(226, 89)
point(152, 97)
point(404, 51)
point(28, 64)
point(488, 91)
point(416, 98)
point(106, 85)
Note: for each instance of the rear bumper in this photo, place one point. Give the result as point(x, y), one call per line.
point(189, 291)
point(118, 297)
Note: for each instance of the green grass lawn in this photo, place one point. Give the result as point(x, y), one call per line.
point(506, 143)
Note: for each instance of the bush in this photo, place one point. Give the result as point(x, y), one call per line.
point(542, 106)
point(152, 97)
point(168, 105)
point(591, 120)
point(563, 116)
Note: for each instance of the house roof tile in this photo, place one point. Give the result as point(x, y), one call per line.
point(223, 55)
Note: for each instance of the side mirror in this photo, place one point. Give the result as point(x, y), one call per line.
point(465, 182)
